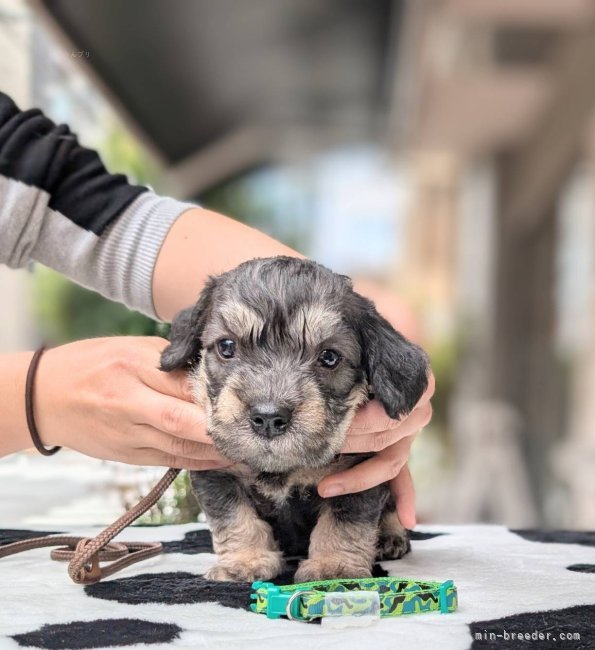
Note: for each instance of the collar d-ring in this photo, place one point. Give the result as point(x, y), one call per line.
point(294, 596)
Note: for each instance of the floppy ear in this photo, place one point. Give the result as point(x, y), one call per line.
point(396, 368)
point(186, 331)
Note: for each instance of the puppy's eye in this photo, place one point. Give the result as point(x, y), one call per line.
point(226, 348)
point(329, 358)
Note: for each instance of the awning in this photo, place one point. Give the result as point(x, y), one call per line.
point(217, 86)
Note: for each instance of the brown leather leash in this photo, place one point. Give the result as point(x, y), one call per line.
point(85, 554)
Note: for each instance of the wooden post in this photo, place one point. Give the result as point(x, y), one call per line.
point(523, 368)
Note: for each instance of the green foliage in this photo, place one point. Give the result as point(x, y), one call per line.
point(177, 506)
point(444, 356)
point(121, 154)
point(254, 199)
point(66, 312)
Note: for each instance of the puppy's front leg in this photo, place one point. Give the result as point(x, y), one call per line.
point(343, 542)
point(244, 543)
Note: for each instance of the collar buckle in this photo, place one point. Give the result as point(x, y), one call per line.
point(443, 598)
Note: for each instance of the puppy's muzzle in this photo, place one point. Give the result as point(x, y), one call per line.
point(269, 420)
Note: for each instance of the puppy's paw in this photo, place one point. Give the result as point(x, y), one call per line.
point(393, 547)
point(246, 567)
point(330, 568)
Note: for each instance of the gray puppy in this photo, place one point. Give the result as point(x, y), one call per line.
point(281, 352)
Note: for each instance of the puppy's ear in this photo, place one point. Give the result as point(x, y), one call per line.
point(397, 369)
point(186, 332)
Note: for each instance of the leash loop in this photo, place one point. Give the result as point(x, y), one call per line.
point(85, 554)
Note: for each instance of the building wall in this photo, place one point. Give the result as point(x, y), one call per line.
point(15, 79)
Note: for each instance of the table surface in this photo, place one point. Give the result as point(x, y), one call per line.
point(508, 582)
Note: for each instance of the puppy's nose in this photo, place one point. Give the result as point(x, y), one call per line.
point(269, 420)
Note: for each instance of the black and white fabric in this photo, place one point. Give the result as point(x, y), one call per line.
point(509, 582)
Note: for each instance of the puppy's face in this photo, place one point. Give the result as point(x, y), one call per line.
point(281, 353)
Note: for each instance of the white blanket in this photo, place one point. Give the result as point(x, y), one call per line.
point(509, 583)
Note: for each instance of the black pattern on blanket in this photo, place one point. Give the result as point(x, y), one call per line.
point(510, 582)
point(116, 632)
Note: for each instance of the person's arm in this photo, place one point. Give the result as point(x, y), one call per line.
point(59, 206)
point(202, 243)
point(108, 399)
point(14, 434)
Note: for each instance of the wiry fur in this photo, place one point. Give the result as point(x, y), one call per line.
point(282, 312)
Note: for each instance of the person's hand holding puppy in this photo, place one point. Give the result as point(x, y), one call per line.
point(108, 399)
point(373, 430)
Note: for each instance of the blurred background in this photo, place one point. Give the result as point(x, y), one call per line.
point(442, 149)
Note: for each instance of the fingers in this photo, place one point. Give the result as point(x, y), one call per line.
point(429, 392)
point(383, 467)
point(379, 440)
point(148, 437)
point(173, 383)
point(155, 458)
point(372, 418)
point(173, 416)
point(404, 492)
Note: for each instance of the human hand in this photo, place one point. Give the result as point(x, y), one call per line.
point(108, 399)
point(373, 430)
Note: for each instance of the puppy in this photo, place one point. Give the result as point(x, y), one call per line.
point(281, 352)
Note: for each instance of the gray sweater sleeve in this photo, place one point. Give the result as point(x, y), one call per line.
point(60, 207)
